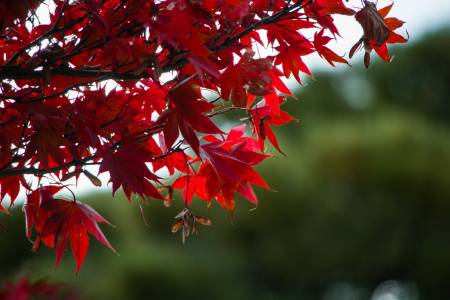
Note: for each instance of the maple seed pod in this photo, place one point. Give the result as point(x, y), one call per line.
point(168, 198)
point(94, 179)
point(374, 27)
point(367, 59)
point(177, 226)
point(167, 202)
point(203, 220)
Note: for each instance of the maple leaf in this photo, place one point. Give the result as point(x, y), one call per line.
point(314, 10)
point(263, 118)
point(186, 114)
point(174, 161)
point(11, 186)
point(247, 76)
point(59, 221)
point(174, 26)
point(287, 32)
point(127, 169)
point(319, 44)
point(290, 57)
point(46, 144)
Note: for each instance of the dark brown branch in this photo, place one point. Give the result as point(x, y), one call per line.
point(36, 171)
point(16, 73)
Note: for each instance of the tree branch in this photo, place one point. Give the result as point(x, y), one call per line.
point(14, 72)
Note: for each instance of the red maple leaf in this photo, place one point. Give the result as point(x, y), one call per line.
point(290, 58)
point(47, 143)
point(59, 221)
point(287, 32)
point(185, 114)
point(247, 76)
point(263, 118)
point(11, 186)
point(319, 44)
point(127, 169)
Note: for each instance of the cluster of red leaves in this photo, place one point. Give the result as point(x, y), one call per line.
point(226, 168)
point(23, 289)
point(59, 221)
point(121, 85)
point(12, 10)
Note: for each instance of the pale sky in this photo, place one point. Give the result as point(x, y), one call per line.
point(420, 17)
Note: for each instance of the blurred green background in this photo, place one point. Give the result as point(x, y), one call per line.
point(362, 209)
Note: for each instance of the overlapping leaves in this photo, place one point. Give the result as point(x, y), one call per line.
point(58, 222)
point(90, 89)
